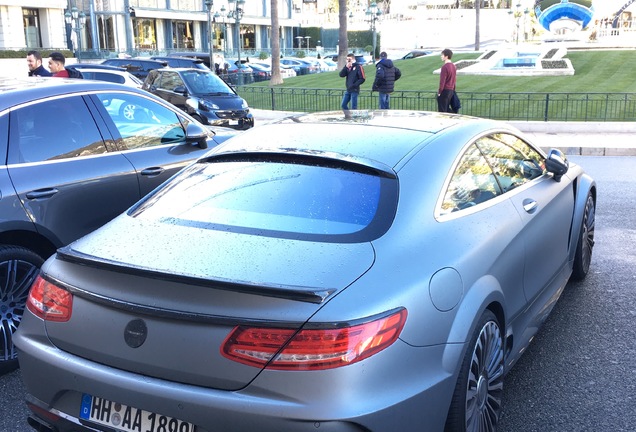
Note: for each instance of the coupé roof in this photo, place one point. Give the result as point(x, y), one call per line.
point(15, 91)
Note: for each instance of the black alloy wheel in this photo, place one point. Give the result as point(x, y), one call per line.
point(476, 403)
point(18, 268)
point(583, 256)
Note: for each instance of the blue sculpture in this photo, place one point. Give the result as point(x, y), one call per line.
point(576, 10)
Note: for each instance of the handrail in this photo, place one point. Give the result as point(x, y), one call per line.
point(569, 107)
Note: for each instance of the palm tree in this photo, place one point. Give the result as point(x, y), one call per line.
point(276, 77)
point(343, 45)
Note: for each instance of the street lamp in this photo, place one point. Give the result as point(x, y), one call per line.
point(300, 41)
point(517, 14)
point(209, 4)
point(307, 41)
point(222, 15)
point(373, 15)
point(236, 13)
point(76, 19)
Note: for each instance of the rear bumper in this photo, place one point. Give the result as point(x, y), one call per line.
point(341, 400)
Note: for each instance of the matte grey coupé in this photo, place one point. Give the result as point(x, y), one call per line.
point(379, 274)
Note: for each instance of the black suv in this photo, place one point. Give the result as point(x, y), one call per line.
point(139, 67)
point(75, 154)
point(201, 94)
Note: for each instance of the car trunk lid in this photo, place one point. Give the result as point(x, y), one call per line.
point(183, 302)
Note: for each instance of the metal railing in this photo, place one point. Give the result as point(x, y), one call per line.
point(582, 107)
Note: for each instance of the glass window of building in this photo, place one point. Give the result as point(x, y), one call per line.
point(31, 20)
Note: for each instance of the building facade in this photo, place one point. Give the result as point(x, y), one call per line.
point(157, 27)
point(143, 26)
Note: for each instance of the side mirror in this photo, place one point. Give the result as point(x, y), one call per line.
point(180, 89)
point(557, 164)
point(197, 134)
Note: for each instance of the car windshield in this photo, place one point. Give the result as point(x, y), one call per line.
point(278, 199)
point(205, 83)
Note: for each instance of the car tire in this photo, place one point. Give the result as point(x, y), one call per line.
point(476, 403)
point(583, 255)
point(18, 268)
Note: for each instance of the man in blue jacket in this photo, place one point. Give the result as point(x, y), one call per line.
point(354, 74)
point(386, 74)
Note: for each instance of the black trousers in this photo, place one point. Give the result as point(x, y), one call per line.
point(443, 101)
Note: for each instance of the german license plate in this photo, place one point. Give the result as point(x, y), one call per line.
point(129, 419)
point(233, 122)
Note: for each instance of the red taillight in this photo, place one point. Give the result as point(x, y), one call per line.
point(49, 301)
point(312, 349)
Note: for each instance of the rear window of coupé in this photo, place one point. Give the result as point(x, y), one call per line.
point(279, 199)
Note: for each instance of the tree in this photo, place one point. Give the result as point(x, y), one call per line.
point(276, 79)
point(477, 8)
point(343, 45)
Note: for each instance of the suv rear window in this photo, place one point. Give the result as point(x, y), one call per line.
point(290, 200)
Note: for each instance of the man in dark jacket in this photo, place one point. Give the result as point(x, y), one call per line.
point(34, 62)
point(386, 74)
point(354, 74)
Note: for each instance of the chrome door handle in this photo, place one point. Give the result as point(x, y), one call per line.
point(41, 193)
point(155, 171)
point(530, 205)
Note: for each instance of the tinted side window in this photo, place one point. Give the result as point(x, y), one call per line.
point(104, 76)
point(55, 129)
point(513, 160)
point(152, 80)
point(170, 81)
point(472, 183)
point(4, 136)
point(142, 122)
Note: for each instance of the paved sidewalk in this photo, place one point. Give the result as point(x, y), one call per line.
point(573, 138)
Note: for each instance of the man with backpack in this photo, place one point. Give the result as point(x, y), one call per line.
point(386, 74)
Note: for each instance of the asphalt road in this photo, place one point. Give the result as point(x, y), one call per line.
point(579, 374)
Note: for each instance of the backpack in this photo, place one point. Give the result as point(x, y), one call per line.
point(74, 73)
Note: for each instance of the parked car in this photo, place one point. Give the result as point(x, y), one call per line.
point(285, 71)
point(360, 58)
point(201, 94)
point(237, 75)
point(203, 56)
point(107, 73)
point(295, 271)
point(139, 67)
point(416, 53)
point(182, 62)
point(327, 65)
point(301, 66)
point(261, 72)
point(76, 154)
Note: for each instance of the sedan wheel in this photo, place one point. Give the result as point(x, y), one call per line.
point(476, 403)
point(18, 269)
point(127, 111)
point(585, 244)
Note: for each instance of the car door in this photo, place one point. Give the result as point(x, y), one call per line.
point(154, 141)
point(165, 86)
point(544, 205)
point(61, 169)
